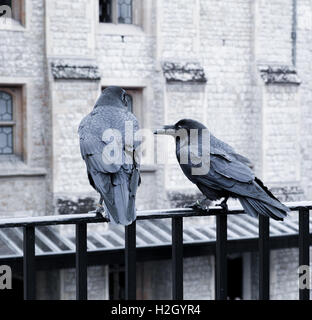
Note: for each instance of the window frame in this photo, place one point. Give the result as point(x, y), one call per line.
point(18, 17)
point(17, 120)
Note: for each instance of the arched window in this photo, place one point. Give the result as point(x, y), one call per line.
point(6, 123)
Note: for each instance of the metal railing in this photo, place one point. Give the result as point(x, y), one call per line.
point(177, 216)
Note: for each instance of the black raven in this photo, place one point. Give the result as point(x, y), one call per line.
point(111, 155)
point(228, 174)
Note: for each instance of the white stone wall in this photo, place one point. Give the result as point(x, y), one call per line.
point(22, 57)
point(304, 65)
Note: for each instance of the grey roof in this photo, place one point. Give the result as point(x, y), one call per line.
point(149, 233)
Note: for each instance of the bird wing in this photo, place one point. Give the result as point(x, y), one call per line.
point(92, 146)
point(221, 145)
point(116, 182)
point(228, 173)
point(229, 179)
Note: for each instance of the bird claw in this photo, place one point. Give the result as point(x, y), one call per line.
point(101, 212)
point(199, 206)
point(99, 209)
point(223, 205)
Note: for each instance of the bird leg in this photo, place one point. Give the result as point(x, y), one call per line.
point(200, 205)
point(100, 209)
point(223, 204)
point(99, 206)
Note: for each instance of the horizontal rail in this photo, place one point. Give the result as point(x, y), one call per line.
point(130, 254)
point(141, 215)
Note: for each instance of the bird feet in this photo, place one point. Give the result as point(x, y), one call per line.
point(199, 206)
point(100, 211)
point(223, 205)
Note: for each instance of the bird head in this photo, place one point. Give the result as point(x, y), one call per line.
point(182, 125)
point(113, 96)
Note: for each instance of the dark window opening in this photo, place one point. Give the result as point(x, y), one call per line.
point(235, 278)
point(5, 3)
point(116, 282)
point(106, 11)
point(115, 11)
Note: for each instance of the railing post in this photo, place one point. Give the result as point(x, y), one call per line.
point(29, 267)
point(177, 258)
point(81, 262)
point(221, 257)
point(304, 247)
point(130, 261)
point(264, 258)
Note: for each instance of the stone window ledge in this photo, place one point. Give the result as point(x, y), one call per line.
point(120, 29)
point(184, 72)
point(279, 74)
point(12, 166)
point(12, 25)
point(75, 70)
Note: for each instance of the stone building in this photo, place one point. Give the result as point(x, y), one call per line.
point(243, 67)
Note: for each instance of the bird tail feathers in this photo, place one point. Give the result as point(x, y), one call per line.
point(255, 207)
point(119, 204)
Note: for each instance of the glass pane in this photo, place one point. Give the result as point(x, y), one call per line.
point(125, 11)
point(6, 108)
point(106, 11)
point(6, 140)
point(129, 102)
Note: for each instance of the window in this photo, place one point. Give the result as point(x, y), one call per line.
point(119, 11)
point(10, 121)
point(235, 278)
point(17, 9)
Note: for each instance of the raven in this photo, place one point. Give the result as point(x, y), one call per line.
point(228, 175)
point(116, 179)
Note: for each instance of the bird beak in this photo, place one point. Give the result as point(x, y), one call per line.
point(166, 130)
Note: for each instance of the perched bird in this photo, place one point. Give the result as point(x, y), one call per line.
point(111, 155)
point(228, 175)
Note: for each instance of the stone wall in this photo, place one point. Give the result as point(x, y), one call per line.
point(22, 56)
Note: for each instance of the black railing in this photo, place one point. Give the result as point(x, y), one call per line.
point(177, 216)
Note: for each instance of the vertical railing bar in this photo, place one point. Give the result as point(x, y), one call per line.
point(304, 247)
point(264, 258)
point(221, 257)
point(177, 258)
point(29, 268)
point(81, 262)
point(130, 261)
